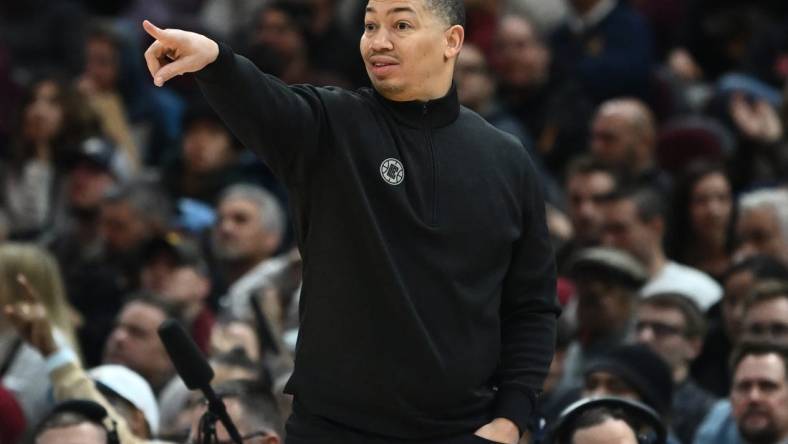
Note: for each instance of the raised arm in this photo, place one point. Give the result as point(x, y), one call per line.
point(280, 123)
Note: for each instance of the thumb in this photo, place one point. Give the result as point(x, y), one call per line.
point(154, 31)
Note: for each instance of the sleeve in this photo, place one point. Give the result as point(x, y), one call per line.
point(282, 124)
point(69, 381)
point(529, 309)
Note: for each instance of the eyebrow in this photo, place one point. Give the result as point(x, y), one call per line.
point(395, 10)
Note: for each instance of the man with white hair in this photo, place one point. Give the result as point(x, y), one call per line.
point(763, 224)
point(249, 229)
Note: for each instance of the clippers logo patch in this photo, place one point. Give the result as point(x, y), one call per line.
point(392, 172)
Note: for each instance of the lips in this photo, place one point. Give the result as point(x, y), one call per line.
point(382, 65)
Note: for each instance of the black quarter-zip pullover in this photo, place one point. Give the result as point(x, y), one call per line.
point(428, 303)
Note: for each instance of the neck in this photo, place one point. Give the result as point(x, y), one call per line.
point(680, 374)
point(236, 269)
point(657, 262)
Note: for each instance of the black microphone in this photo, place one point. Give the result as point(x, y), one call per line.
point(194, 370)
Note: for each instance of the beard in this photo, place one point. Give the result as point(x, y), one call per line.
point(767, 434)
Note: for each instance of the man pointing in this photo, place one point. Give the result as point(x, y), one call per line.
point(428, 304)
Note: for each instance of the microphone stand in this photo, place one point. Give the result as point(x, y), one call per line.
point(216, 411)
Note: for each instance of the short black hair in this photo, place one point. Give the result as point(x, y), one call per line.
point(597, 416)
point(648, 202)
point(451, 11)
point(260, 409)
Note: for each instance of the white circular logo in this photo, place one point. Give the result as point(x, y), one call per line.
point(392, 172)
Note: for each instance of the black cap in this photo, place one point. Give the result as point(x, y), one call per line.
point(643, 370)
point(182, 250)
point(97, 151)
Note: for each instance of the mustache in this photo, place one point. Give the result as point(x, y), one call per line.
point(755, 411)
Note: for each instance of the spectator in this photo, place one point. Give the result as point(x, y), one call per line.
point(476, 88)
point(134, 342)
point(552, 108)
point(758, 408)
point(252, 408)
point(248, 231)
point(210, 159)
point(52, 120)
point(763, 224)
point(598, 425)
point(701, 235)
point(634, 221)
point(587, 182)
point(99, 83)
point(129, 216)
point(623, 137)
point(23, 371)
point(74, 239)
point(766, 313)
point(673, 326)
point(175, 272)
point(607, 282)
point(711, 369)
point(131, 396)
point(75, 422)
point(608, 46)
point(631, 372)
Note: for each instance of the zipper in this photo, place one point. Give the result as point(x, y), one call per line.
point(433, 219)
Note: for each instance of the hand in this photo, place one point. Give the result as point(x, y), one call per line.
point(177, 52)
point(758, 121)
point(500, 430)
point(30, 319)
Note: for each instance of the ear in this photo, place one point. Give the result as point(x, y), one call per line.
point(455, 36)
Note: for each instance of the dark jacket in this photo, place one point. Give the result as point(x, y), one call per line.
point(428, 275)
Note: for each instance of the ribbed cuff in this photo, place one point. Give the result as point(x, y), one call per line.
point(516, 406)
point(63, 356)
point(212, 71)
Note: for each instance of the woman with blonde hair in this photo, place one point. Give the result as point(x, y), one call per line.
point(22, 368)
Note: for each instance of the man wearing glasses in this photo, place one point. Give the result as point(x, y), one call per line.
point(673, 326)
point(253, 410)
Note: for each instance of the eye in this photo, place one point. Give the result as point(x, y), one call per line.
point(369, 27)
point(403, 26)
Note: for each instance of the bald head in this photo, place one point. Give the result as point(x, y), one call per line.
point(623, 135)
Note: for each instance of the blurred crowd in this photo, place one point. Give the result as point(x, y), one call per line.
point(658, 128)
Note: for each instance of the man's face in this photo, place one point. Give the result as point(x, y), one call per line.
point(82, 433)
point(134, 342)
point(277, 31)
point(520, 59)
point(87, 184)
point(767, 321)
point(758, 232)
point(623, 229)
point(206, 147)
point(612, 431)
point(602, 383)
point(663, 330)
point(239, 233)
point(602, 308)
point(474, 85)
point(404, 46)
point(759, 397)
point(236, 414)
point(613, 141)
point(737, 288)
point(584, 192)
point(121, 227)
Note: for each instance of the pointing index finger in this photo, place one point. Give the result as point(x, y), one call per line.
point(29, 293)
point(154, 31)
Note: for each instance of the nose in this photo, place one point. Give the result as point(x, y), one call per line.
point(381, 41)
